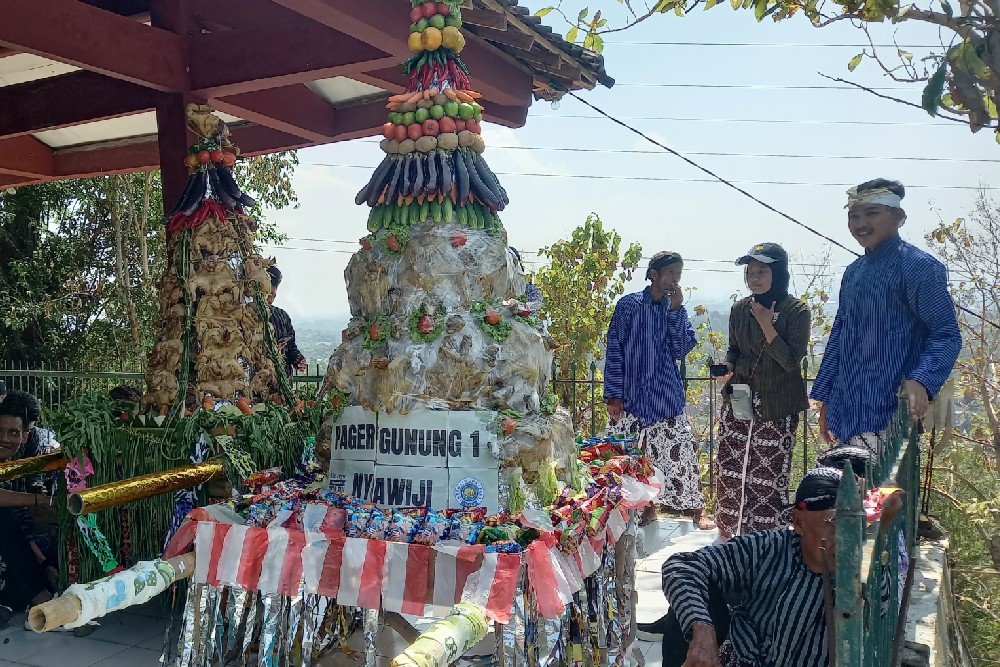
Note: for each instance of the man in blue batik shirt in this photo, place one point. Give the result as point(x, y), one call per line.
point(650, 333)
point(895, 333)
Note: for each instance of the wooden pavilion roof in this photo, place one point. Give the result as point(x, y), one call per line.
point(84, 82)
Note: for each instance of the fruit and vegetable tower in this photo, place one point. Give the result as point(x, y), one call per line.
point(440, 316)
point(213, 340)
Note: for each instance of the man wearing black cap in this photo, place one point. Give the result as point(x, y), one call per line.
point(776, 576)
point(649, 335)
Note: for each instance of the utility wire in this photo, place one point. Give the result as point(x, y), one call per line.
point(782, 121)
point(668, 179)
point(625, 151)
point(736, 187)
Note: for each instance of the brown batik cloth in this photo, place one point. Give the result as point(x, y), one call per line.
point(763, 490)
point(670, 444)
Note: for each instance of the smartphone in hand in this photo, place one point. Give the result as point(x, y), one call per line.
point(718, 370)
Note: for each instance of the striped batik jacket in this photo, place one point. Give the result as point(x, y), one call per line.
point(780, 619)
point(895, 321)
point(646, 341)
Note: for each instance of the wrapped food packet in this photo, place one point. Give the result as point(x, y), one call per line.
point(433, 529)
point(403, 525)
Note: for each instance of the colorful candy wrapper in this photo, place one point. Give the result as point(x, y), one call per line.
point(403, 526)
point(504, 547)
point(433, 529)
point(261, 479)
point(357, 519)
point(378, 525)
point(467, 513)
point(463, 530)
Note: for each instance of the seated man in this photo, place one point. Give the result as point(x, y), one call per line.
point(26, 575)
point(779, 615)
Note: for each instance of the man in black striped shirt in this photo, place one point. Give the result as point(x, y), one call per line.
point(776, 577)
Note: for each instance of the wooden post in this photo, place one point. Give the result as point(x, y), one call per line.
point(171, 122)
point(848, 621)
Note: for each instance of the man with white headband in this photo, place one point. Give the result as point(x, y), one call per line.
point(895, 331)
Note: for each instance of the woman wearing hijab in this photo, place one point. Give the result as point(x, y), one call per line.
point(768, 335)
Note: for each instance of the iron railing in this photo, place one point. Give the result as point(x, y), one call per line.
point(875, 563)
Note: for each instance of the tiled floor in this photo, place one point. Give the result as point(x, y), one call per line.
point(134, 638)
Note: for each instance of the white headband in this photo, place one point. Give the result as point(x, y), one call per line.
point(879, 196)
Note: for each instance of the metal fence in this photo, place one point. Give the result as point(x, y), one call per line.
point(875, 563)
point(53, 385)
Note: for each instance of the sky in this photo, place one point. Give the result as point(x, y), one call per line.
point(781, 124)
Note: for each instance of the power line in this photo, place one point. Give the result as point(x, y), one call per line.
point(736, 187)
point(783, 156)
point(667, 179)
point(754, 86)
point(777, 45)
point(351, 252)
point(532, 252)
point(795, 121)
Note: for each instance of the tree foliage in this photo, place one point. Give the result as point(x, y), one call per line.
point(961, 77)
point(585, 275)
point(79, 262)
point(966, 479)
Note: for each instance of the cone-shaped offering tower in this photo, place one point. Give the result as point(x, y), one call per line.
point(213, 339)
point(440, 315)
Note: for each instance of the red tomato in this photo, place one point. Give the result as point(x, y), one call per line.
point(414, 131)
point(400, 131)
point(204, 156)
point(443, 8)
point(431, 127)
point(428, 9)
point(472, 125)
point(416, 14)
point(217, 155)
point(229, 159)
point(447, 124)
point(460, 125)
point(389, 131)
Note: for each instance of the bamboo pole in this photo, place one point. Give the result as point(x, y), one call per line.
point(66, 609)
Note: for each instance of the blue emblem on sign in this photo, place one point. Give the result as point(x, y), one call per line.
point(470, 492)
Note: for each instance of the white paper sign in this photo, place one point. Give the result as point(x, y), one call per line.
point(434, 458)
point(409, 486)
point(354, 435)
point(349, 476)
point(473, 487)
point(436, 438)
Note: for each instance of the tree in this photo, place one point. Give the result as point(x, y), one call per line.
point(961, 78)
point(584, 276)
point(79, 261)
point(966, 480)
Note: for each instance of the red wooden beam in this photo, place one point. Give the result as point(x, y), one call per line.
point(293, 109)
point(72, 32)
point(236, 14)
point(270, 56)
point(67, 100)
point(25, 156)
point(383, 25)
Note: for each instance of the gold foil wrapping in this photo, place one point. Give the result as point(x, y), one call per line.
point(137, 488)
point(31, 466)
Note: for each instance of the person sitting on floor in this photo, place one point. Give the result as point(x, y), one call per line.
point(777, 578)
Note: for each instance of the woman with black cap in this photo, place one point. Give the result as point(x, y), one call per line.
point(763, 396)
